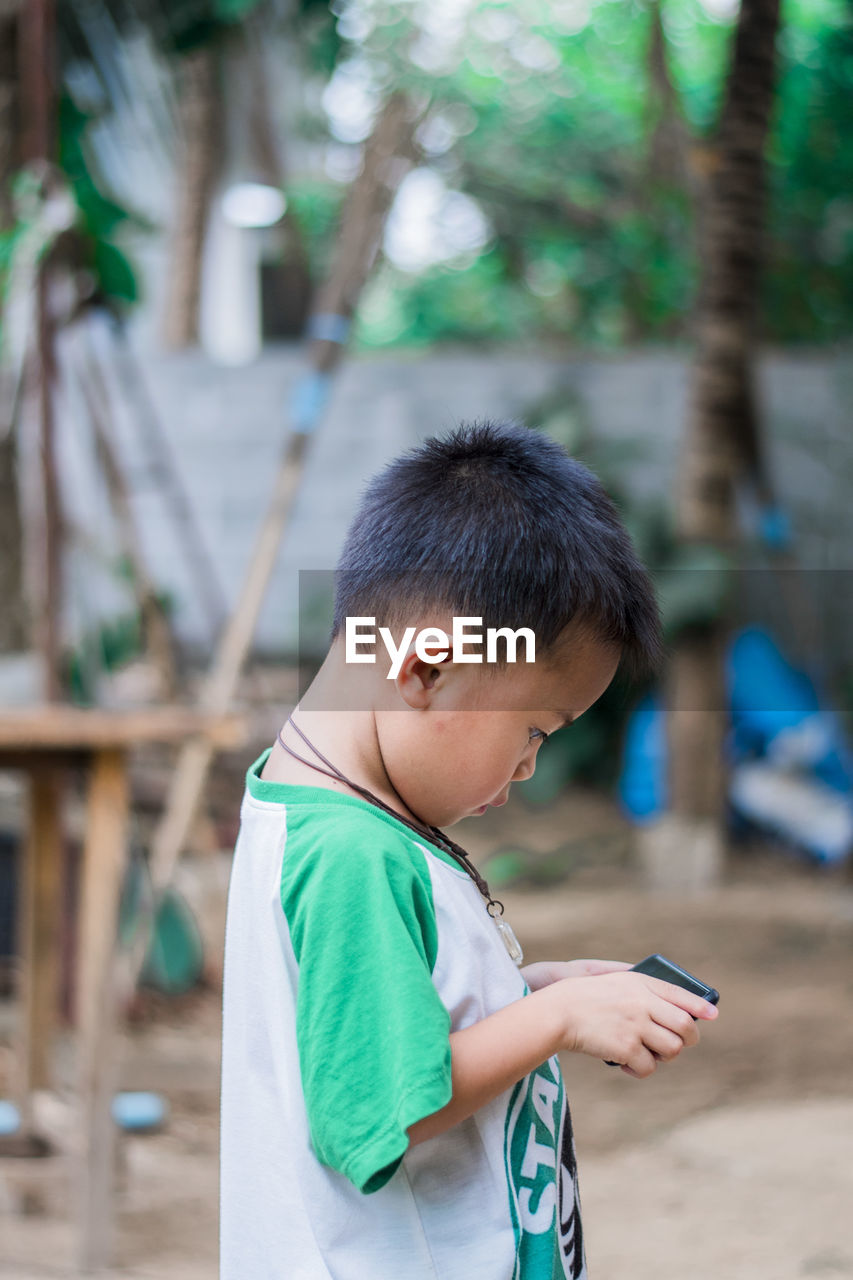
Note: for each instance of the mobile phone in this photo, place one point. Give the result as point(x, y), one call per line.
point(657, 966)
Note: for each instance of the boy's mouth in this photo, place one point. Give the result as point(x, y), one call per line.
point(493, 804)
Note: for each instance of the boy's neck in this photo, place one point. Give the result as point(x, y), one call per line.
point(338, 716)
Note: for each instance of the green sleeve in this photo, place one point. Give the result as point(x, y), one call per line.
point(373, 1035)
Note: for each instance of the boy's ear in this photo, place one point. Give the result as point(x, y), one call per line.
point(417, 680)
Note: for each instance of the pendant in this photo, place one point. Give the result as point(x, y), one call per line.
point(510, 941)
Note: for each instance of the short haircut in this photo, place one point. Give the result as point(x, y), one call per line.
point(495, 520)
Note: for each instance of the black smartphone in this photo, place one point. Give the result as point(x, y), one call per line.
point(657, 966)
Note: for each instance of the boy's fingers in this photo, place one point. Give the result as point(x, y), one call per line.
point(692, 1004)
point(677, 1022)
point(662, 1043)
point(592, 968)
point(641, 1064)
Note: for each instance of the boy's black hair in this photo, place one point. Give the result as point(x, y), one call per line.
point(495, 520)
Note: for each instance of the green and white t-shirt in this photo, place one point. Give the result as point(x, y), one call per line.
point(353, 948)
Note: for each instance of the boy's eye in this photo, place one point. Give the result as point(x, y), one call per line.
point(537, 735)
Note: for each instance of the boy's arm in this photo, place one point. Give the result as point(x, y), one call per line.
point(626, 1017)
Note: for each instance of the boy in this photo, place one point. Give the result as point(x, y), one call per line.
point(392, 1106)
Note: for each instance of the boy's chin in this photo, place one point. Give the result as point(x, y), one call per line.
point(460, 817)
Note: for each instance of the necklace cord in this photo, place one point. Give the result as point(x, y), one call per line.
point(433, 834)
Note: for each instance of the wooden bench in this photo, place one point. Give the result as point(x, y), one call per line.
point(44, 742)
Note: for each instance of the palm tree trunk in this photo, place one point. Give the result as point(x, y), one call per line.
point(723, 436)
point(723, 441)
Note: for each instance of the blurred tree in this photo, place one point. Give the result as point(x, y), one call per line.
point(286, 282)
point(197, 39)
point(807, 290)
point(13, 629)
point(200, 133)
point(583, 132)
point(197, 33)
point(723, 443)
point(579, 134)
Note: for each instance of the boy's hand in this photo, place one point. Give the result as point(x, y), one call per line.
point(629, 1018)
point(547, 971)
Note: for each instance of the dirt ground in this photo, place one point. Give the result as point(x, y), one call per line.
point(735, 1160)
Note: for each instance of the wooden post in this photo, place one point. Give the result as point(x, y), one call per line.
point(39, 915)
point(104, 858)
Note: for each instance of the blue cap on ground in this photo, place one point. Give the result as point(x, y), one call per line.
point(10, 1118)
point(139, 1112)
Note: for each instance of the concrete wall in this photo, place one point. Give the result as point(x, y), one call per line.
point(226, 427)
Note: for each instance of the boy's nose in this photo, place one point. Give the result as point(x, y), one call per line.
point(526, 768)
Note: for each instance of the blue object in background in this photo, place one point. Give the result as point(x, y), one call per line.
point(642, 784)
point(308, 401)
point(10, 1118)
point(774, 527)
point(791, 767)
point(766, 694)
point(775, 712)
point(139, 1112)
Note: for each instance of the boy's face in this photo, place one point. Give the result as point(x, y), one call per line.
point(476, 732)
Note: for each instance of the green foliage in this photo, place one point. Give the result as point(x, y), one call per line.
point(548, 117)
point(100, 217)
point(116, 276)
point(174, 959)
point(179, 26)
point(809, 286)
point(8, 242)
point(107, 647)
point(316, 208)
point(318, 33)
point(477, 302)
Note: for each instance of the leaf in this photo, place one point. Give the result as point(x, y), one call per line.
point(116, 276)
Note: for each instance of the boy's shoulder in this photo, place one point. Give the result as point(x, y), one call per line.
point(328, 830)
point(343, 860)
